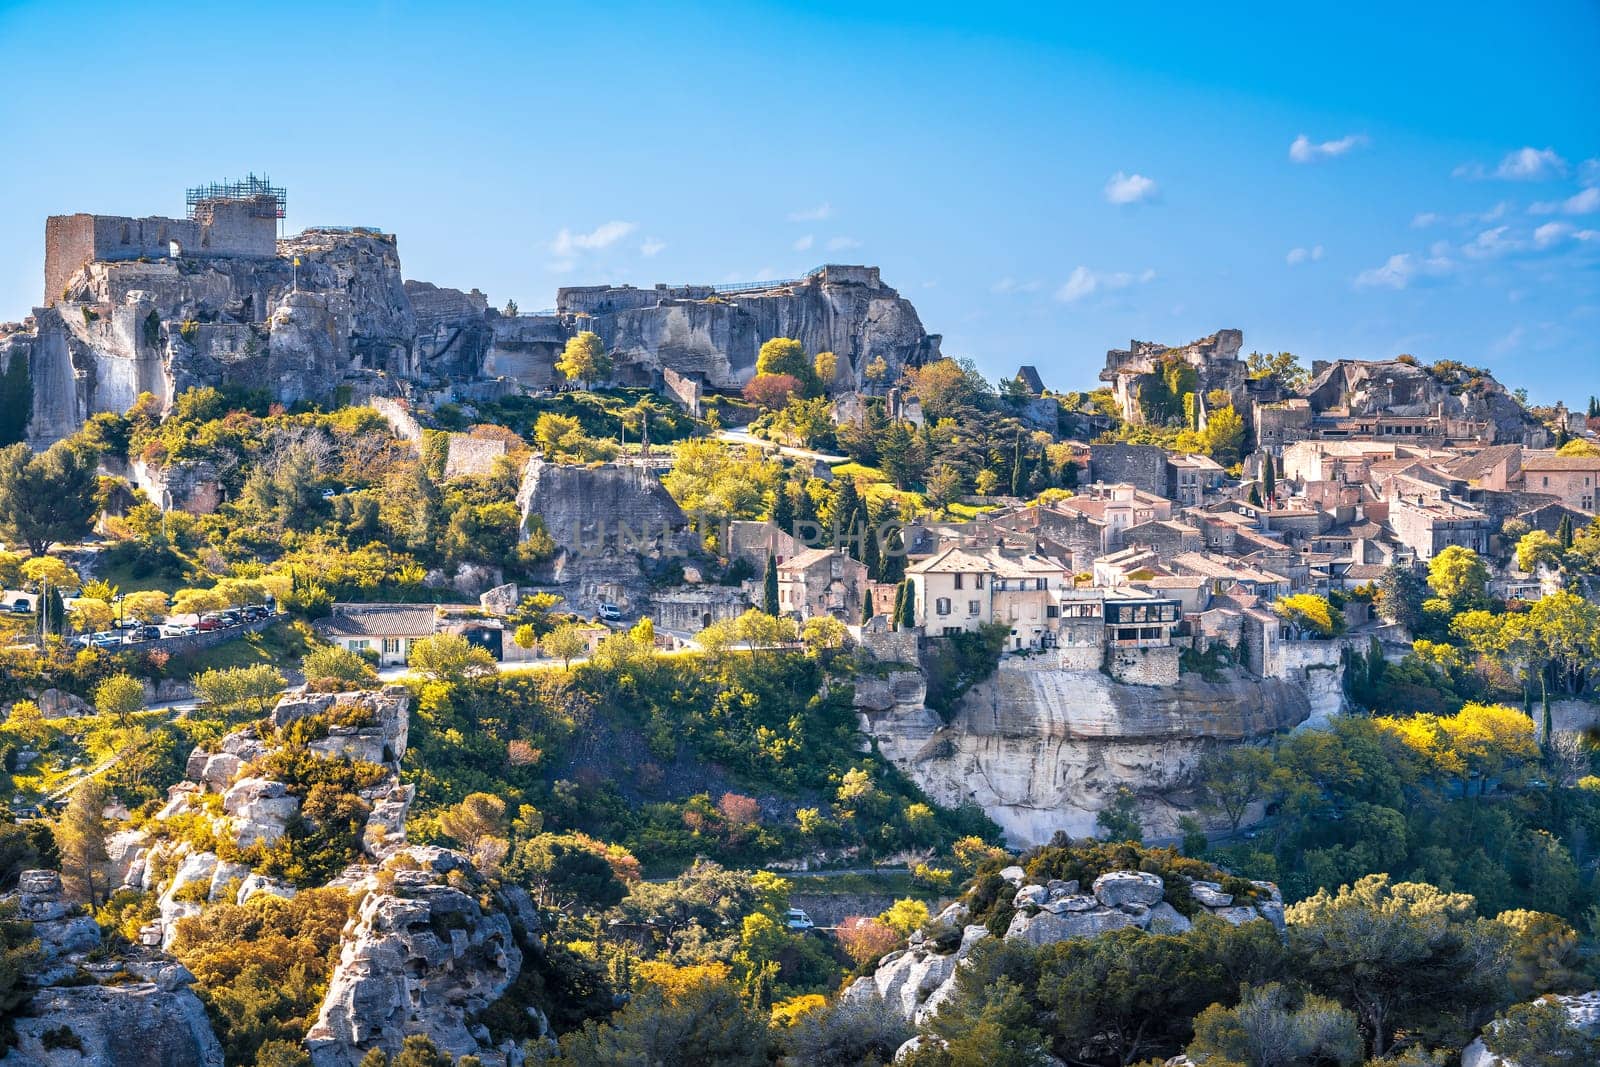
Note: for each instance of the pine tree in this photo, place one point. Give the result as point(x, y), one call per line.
point(866, 608)
point(81, 840)
point(769, 588)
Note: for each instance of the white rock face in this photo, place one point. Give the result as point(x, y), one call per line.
point(423, 959)
point(1044, 750)
point(1128, 887)
point(261, 809)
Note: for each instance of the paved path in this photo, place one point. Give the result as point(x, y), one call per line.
point(744, 437)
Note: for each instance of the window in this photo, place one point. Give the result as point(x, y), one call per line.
point(972, 607)
point(391, 646)
point(1041, 583)
point(958, 581)
point(1052, 612)
point(943, 605)
point(977, 581)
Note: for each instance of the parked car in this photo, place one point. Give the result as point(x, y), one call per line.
point(255, 611)
point(208, 623)
point(231, 617)
point(21, 607)
point(169, 630)
point(797, 919)
point(107, 639)
point(145, 633)
point(610, 612)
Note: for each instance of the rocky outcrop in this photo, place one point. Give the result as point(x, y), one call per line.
point(714, 337)
point(607, 522)
point(1476, 408)
point(1215, 360)
point(147, 1017)
point(1044, 750)
point(422, 957)
point(917, 979)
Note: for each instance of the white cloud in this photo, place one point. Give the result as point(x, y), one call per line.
point(1304, 150)
point(651, 246)
point(1425, 219)
point(1011, 285)
point(1401, 269)
point(814, 214)
point(1550, 233)
point(1525, 164)
point(839, 244)
point(804, 243)
point(1490, 243)
point(1528, 164)
point(1082, 282)
point(605, 235)
point(1126, 188)
point(1297, 256)
point(1585, 203)
point(1554, 232)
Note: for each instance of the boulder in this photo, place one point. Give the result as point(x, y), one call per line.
point(1165, 919)
point(59, 704)
point(1014, 874)
point(1059, 889)
point(1238, 915)
point(1210, 894)
point(58, 923)
point(1031, 896)
point(1047, 927)
point(1116, 888)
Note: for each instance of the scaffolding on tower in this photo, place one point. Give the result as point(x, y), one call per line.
point(250, 188)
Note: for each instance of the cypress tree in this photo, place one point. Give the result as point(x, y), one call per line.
point(908, 607)
point(1019, 472)
point(769, 588)
point(893, 563)
point(846, 502)
point(1564, 531)
point(866, 608)
point(870, 554)
point(899, 605)
point(1269, 481)
point(806, 513)
point(783, 510)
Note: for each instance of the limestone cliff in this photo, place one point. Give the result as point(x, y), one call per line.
point(1042, 750)
point(163, 325)
point(715, 336)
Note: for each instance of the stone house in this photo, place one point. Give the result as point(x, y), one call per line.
point(1145, 467)
point(1116, 508)
point(1574, 479)
point(390, 630)
point(960, 590)
point(1194, 479)
point(1227, 575)
point(822, 581)
point(1165, 537)
point(1429, 526)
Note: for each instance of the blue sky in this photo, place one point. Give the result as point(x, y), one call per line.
point(1043, 183)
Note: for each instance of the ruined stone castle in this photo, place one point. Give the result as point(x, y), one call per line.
point(160, 305)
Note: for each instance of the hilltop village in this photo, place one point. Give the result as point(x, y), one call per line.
point(726, 674)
